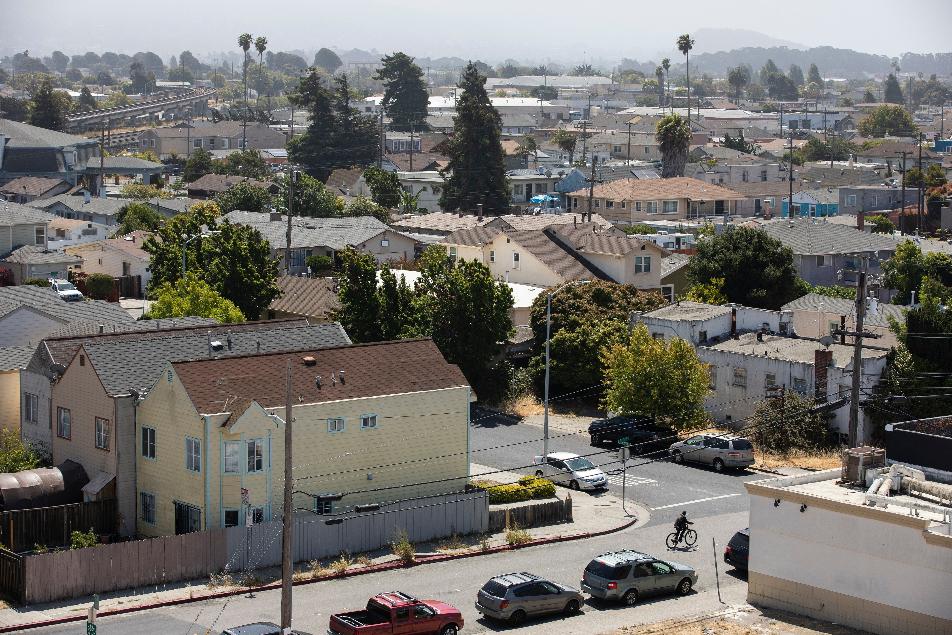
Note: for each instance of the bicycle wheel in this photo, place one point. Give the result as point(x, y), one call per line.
point(672, 540)
point(690, 537)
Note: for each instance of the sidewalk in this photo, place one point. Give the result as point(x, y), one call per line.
point(593, 513)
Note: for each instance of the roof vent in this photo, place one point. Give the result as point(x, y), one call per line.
point(217, 345)
point(341, 374)
point(309, 360)
point(317, 381)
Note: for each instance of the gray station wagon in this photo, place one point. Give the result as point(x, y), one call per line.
point(715, 450)
point(516, 596)
point(631, 575)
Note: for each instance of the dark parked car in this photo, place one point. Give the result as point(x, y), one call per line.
point(737, 550)
point(258, 628)
point(640, 433)
point(516, 596)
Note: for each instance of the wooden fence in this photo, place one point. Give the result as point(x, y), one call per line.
point(24, 529)
point(533, 515)
point(11, 575)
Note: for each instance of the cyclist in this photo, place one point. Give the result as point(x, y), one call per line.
point(680, 526)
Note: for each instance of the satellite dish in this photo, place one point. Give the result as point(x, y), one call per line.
point(826, 340)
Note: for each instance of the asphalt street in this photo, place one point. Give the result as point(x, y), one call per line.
point(716, 502)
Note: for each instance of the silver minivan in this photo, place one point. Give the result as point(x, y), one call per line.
point(718, 451)
point(516, 596)
point(631, 575)
point(571, 470)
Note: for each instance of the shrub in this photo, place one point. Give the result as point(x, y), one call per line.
point(527, 488)
point(320, 264)
point(453, 543)
point(83, 539)
point(319, 569)
point(343, 561)
point(37, 282)
point(223, 579)
point(402, 547)
point(99, 286)
point(516, 536)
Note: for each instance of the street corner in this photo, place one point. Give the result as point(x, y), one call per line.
point(601, 512)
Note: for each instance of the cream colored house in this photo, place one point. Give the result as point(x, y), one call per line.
point(372, 423)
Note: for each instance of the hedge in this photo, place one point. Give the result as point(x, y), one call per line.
point(528, 488)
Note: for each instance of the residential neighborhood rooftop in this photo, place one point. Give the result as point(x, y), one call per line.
point(813, 236)
point(46, 300)
point(685, 311)
point(791, 349)
point(658, 189)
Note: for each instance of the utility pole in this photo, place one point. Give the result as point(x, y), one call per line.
point(383, 141)
point(584, 139)
point(902, 196)
point(292, 178)
point(855, 433)
point(411, 146)
point(790, 178)
point(919, 196)
point(781, 120)
point(629, 143)
point(591, 188)
point(102, 161)
point(287, 522)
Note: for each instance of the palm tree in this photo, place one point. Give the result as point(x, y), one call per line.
point(666, 64)
point(659, 74)
point(244, 41)
point(685, 44)
point(261, 45)
point(674, 137)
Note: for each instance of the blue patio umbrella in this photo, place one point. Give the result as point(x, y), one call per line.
point(542, 198)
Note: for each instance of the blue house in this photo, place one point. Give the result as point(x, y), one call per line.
point(807, 203)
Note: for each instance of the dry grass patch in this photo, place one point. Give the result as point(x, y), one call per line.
point(453, 543)
point(319, 570)
point(524, 406)
point(340, 565)
point(744, 622)
point(824, 460)
point(363, 560)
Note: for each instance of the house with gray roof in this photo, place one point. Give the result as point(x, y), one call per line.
point(35, 262)
point(21, 225)
point(823, 250)
point(96, 395)
point(183, 138)
point(815, 315)
point(83, 206)
point(27, 150)
point(27, 188)
point(326, 236)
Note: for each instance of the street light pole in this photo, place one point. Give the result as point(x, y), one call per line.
point(548, 333)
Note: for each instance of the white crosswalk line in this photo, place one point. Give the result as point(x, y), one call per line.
point(616, 479)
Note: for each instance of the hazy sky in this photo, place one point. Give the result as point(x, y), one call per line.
point(488, 29)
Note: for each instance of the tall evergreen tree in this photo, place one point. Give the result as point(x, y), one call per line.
point(327, 60)
point(674, 138)
point(405, 97)
point(476, 172)
point(767, 70)
point(360, 303)
point(813, 75)
point(893, 92)
point(50, 107)
point(796, 74)
point(86, 100)
point(338, 135)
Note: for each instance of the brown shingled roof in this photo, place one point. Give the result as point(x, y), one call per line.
point(311, 297)
point(32, 185)
point(370, 370)
point(658, 189)
point(472, 236)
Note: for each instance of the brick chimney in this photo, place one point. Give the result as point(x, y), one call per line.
point(822, 359)
point(860, 220)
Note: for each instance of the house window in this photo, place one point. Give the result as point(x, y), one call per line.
point(384, 243)
point(851, 199)
point(31, 404)
point(609, 204)
point(368, 422)
point(616, 149)
point(257, 515)
point(637, 206)
point(651, 207)
point(740, 377)
point(211, 143)
point(335, 424)
point(823, 261)
point(148, 443)
point(255, 449)
point(63, 423)
point(763, 175)
point(39, 236)
point(875, 200)
point(833, 326)
point(232, 450)
point(667, 291)
point(492, 256)
point(702, 336)
point(800, 386)
point(517, 190)
point(452, 253)
point(744, 176)
point(193, 454)
point(813, 210)
point(187, 518)
point(623, 205)
point(669, 207)
point(197, 143)
point(575, 202)
point(147, 507)
point(712, 377)
point(770, 380)
point(598, 204)
point(231, 518)
point(515, 260)
point(102, 433)
point(323, 506)
point(642, 264)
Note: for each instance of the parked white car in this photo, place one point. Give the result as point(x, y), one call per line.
point(66, 290)
point(572, 470)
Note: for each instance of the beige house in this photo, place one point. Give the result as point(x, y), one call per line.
point(93, 402)
point(183, 138)
point(373, 423)
point(630, 201)
point(815, 315)
point(114, 257)
point(560, 253)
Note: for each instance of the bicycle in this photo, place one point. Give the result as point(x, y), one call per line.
point(690, 537)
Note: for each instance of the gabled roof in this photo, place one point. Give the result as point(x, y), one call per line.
point(23, 135)
point(440, 222)
point(541, 221)
point(673, 263)
point(31, 185)
point(814, 302)
point(342, 180)
point(15, 357)
point(370, 370)
point(16, 214)
point(128, 163)
point(473, 236)
point(658, 189)
point(548, 250)
point(312, 297)
point(77, 203)
point(37, 255)
point(221, 182)
point(810, 236)
point(589, 239)
point(45, 299)
point(336, 233)
point(125, 364)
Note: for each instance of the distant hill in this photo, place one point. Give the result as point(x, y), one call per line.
point(711, 40)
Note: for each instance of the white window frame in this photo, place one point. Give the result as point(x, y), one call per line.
point(102, 433)
point(368, 422)
point(39, 236)
point(384, 242)
point(851, 199)
point(145, 517)
point(800, 385)
point(770, 380)
point(31, 405)
point(193, 454)
point(231, 457)
point(609, 204)
point(642, 264)
point(64, 424)
point(492, 256)
point(255, 455)
point(146, 445)
point(335, 425)
point(665, 205)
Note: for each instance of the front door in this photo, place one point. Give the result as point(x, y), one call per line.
point(528, 192)
point(757, 206)
point(718, 207)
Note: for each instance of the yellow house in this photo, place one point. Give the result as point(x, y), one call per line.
point(372, 423)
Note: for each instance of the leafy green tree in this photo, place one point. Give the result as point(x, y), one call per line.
point(311, 198)
point(193, 296)
point(892, 92)
point(565, 141)
point(399, 309)
point(50, 107)
point(58, 61)
point(405, 97)
point(779, 86)
point(768, 69)
point(320, 265)
point(813, 76)
point(384, 187)
point(86, 100)
point(934, 176)
point(99, 286)
point(660, 378)
point(15, 455)
point(241, 268)
point(888, 119)
point(881, 224)
point(830, 291)
point(584, 70)
point(738, 78)
point(242, 163)
point(199, 164)
point(711, 292)
point(338, 136)
point(796, 74)
point(138, 216)
point(758, 270)
point(83, 539)
point(835, 148)
point(327, 60)
point(244, 196)
point(904, 271)
point(476, 173)
point(139, 78)
point(15, 109)
point(546, 93)
point(527, 146)
point(674, 138)
point(363, 206)
point(142, 191)
point(740, 144)
point(869, 97)
point(359, 313)
point(790, 425)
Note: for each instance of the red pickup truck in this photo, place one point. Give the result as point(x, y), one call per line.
point(397, 613)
